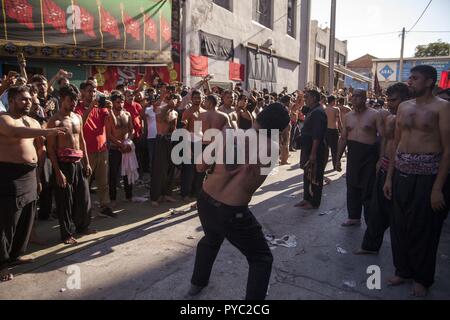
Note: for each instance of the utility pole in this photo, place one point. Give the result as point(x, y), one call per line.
point(332, 47)
point(400, 79)
point(305, 29)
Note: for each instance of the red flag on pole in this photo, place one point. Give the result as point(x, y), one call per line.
point(132, 26)
point(150, 29)
point(445, 80)
point(21, 11)
point(377, 88)
point(109, 23)
point(87, 22)
point(54, 15)
point(166, 29)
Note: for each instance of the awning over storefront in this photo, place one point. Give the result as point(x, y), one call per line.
point(346, 72)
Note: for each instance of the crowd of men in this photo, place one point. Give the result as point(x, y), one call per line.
point(57, 139)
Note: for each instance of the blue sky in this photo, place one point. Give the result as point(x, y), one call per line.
point(364, 17)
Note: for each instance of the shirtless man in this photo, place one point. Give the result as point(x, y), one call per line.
point(333, 128)
point(191, 180)
point(120, 136)
point(213, 118)
point(71, 167)
point(416, 181)
point(224, 213)
point(380, 207)
point(228, 108)
point(343, 108)
point(162, 166)
point(20, 145)
point(360, 130)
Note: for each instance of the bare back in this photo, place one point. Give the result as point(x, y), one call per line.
point(235, 187)
point(333, 116)
point(18, 150)
point(419, 126)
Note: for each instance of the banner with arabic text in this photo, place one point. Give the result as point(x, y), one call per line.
point(91, 30)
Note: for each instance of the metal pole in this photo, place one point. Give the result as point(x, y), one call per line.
point(400, 79)
point(305, 30)
point(185, 42)
point(332, 47)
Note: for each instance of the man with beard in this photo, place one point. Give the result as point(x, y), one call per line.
point(71, 169)
point(380, 207)
point(313, 156)
point(416, 181)
point(360, 131)
point(19, 150)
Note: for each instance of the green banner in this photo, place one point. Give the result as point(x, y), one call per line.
point(90, 30)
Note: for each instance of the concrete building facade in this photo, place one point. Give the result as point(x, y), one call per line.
point(264, 35)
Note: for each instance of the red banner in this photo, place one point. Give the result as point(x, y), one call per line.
point(20, 10)
point(108, 77)
point(237, 71)
point(445, 80)
point(199, 66)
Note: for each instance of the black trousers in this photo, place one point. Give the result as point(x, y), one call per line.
point(379, 216)
point(332, 138)
point(46, 195)
point(16, 222)
point(242, 230)
point(140, 145)
point(361, 173)
point(191, 179)
point(73, 203)
point(311, 192)
point(415, 227)
point(162, 169)
point(115, 167)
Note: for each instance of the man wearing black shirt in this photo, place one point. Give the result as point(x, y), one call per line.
point(313, 151)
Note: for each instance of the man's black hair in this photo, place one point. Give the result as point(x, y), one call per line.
point(286, 99)
point(69, 91)
point(274, 116)
point(331, 99)
point(115, 95)
point(428, 71)
point(314, 93)
point(401, 89)
point(213, 99)
point(16, 90)
point(38, 78)
point(196, 93)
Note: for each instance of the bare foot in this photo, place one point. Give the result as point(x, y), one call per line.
point(301, 204)
point(170, 199)
point(20, 261)
point(419, 290)
point(155, 204)
point(194, 206)
point(326, 181)
point(362, 252)
point(70, 240)
point(397, 281)
point(5, 275)
point(351, 223)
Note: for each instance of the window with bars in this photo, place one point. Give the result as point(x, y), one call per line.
point(262, 12)
point(292, 5)
point(223, 3)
